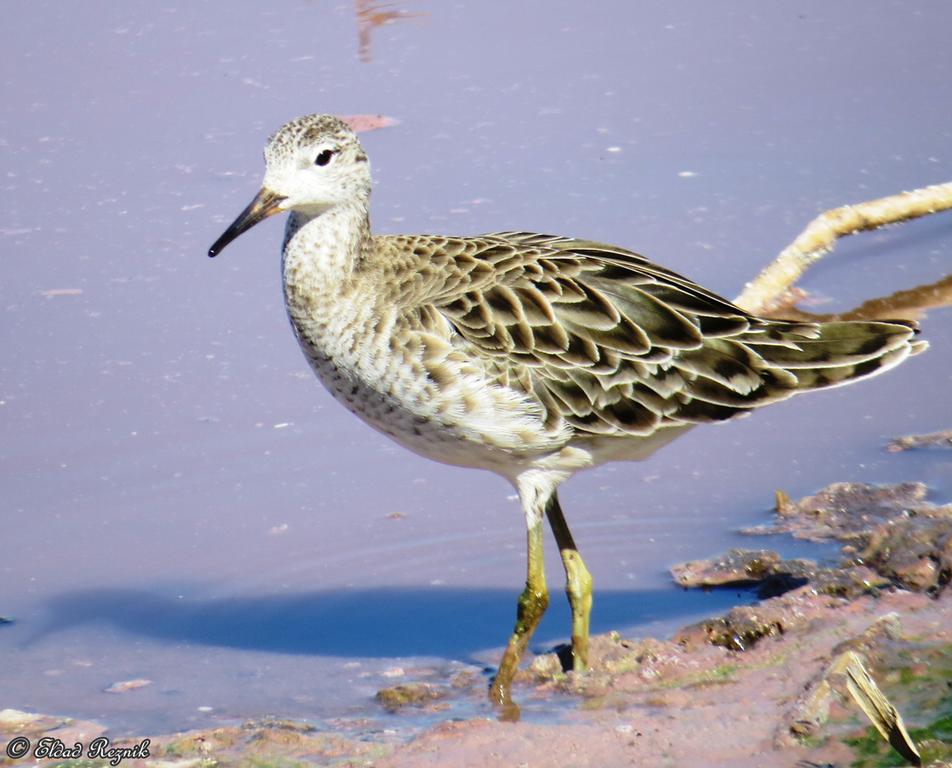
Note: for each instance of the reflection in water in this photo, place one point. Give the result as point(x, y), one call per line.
point(908, 304)
point(370, 15)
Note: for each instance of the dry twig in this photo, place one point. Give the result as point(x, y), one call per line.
point(820, 235)
point(881, 713)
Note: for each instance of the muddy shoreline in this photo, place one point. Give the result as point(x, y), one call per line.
point(756, 686)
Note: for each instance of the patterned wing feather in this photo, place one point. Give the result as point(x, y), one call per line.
point(612, 344)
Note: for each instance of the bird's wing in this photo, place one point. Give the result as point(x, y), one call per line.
point(613, 344)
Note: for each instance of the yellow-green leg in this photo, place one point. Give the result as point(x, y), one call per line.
point(532, 604)
point(578, 583)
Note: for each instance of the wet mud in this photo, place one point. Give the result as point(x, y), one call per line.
point(761, 685)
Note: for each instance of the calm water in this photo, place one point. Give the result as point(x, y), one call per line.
point(182, 502)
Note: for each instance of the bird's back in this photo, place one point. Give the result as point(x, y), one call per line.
point(607, 343)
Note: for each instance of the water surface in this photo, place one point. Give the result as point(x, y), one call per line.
point(182, 502)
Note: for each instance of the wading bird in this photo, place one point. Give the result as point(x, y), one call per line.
point(530, 355)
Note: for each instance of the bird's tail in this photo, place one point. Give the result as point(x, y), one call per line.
point(824, 355)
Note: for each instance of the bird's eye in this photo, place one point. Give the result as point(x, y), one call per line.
point(324, 157)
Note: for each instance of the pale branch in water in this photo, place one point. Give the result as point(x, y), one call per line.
point(769, 287)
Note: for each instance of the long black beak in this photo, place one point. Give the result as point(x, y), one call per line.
point(265, 204)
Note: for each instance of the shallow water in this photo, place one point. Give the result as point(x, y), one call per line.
point(183, 503)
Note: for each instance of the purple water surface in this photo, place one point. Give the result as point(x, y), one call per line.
point(182, 502)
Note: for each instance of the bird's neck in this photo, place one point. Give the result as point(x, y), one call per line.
point(325, 247)
point(322, 265)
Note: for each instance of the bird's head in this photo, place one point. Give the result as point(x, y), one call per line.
point(312, 164)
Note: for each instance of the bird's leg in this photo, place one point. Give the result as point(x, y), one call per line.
point(578, 583)
point(532, 604)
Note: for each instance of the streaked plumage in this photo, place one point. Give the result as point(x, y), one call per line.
point(527, 354)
